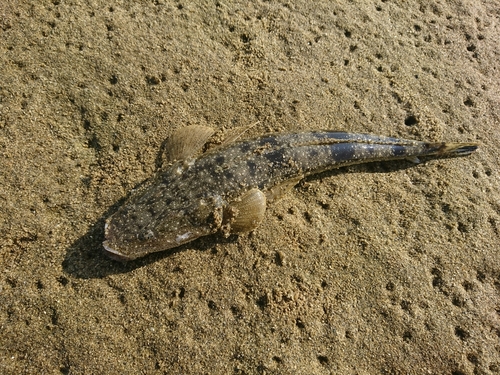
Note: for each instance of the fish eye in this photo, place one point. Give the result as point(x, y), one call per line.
point(148, 235)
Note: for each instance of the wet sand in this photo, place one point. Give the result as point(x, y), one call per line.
point(387, 268)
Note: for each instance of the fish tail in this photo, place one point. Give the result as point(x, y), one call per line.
point(451, 149)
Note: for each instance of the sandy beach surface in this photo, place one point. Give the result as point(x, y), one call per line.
point(386, 268)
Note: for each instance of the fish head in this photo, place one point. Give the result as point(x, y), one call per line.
point(135, 231)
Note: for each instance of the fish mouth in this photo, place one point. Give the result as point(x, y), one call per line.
point(108, 248)
point(114, 254)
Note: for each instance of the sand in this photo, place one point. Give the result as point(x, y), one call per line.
point(389, 268)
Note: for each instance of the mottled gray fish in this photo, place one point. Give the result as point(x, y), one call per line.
point(226, 189)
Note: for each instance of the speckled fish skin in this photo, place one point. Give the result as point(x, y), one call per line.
point(190, 198)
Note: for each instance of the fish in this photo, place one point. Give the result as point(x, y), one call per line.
point(227, 189)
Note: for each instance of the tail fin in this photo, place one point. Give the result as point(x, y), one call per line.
point(452, 149)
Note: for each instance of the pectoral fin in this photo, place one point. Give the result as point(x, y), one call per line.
point(186, 142)
point(246, 213)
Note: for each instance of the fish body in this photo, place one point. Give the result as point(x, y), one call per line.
point(227, 189)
